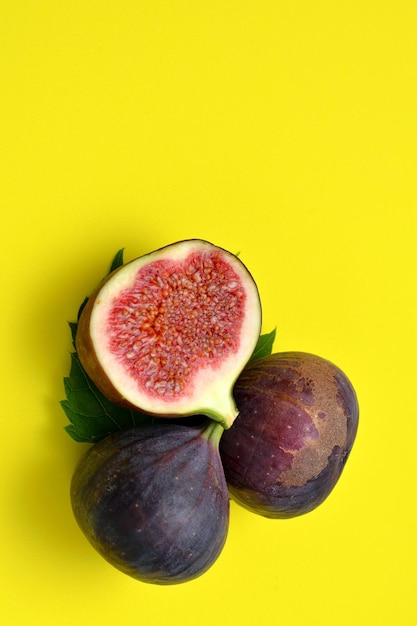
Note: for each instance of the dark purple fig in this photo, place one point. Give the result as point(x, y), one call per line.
point(296, 427)
point(153, 500)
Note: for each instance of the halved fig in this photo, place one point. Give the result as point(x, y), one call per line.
point(169, 333)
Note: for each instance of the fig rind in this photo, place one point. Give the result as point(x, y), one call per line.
point(153, 501)
point(296, 427)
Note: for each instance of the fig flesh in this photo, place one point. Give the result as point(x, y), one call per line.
point(153, 500)
point(297, 424)
point(169, 333)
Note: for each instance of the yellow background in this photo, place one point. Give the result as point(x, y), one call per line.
point(283, 130)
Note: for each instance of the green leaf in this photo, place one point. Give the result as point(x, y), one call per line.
point(80, 310)
point(115, 264)
point(117, 261)
point(264, 346)
point(73, 326)
point(91, 415)
point(72, 431)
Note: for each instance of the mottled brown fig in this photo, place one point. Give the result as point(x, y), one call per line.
point(298, 418)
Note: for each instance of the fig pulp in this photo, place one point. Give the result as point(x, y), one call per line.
point(153, 500)
point(296, 427)
point(170, 332)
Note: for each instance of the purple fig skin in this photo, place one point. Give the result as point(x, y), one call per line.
point(153, 501)
point(289, 444)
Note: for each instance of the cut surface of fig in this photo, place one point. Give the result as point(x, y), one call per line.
point(153, 500)
point(297, 424)
point(169, 332)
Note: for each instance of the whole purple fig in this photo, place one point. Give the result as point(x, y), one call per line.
point(153, 500)
point(297, 423)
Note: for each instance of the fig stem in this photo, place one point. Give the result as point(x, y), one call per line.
point(213, 431)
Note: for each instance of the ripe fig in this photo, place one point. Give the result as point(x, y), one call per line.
point(169, 333)
point(153, 500)
point(296, 427)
